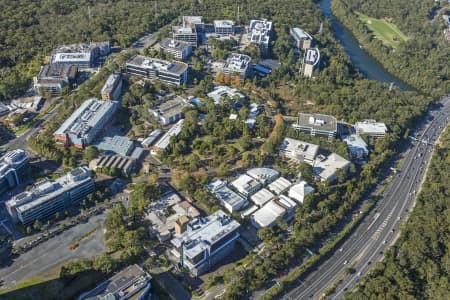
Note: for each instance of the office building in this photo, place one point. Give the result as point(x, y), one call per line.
point(279, 186)
point(259, 32)
point(112, 88)
point(222, 91)
point(125, 165)
point(325, 167)
point(229, 199)
point(267, 215)
point(49, 197)
point(53, 78)
point(299, 150)
point(302, 39)
point(264, 175)
point(152, 137)
point(131, 283)
point(316, 124)
point(169, 111)
point(85, 123)
point(224, 27)
point(357, 147)
point(80, 55)
point(371, 128)
point(174, 72)
point(189, 31)
point(206, 242)
point(13, 166)
point(239, 64)
point(246, 185)
point(261, 197)
point(164, 141)
point(298, 191)
point(310, 62)
point(178, 49)
point(116, 144)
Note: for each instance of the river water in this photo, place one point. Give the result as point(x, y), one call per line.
point(365, 63)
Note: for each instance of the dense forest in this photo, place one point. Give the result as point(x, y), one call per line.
point(423, 60)
point(418, 266)
point(29, 30)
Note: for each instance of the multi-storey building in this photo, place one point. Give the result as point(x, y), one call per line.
point(239, 64)
point(13, 166)
point(178, 49)
point(310, 62)
point(48, 197)
point(112, 88)
point(174, 72)
point(189, 31)
point(52, 78)
point(317, 124)
point(302, 39)
point(85, 123)
point(164, 141)
point(80, 55)
point(259, 32)
point(371, 128)
point(206, 242)
point(224, 27)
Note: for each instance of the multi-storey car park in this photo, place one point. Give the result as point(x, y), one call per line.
point(13, 166)
point(85, 123)
point(206, 242)
point(48, 197)
point(175, 72)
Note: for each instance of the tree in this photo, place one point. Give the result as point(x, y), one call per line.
point(37, 225)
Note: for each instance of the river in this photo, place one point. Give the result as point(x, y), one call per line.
point(365, 63)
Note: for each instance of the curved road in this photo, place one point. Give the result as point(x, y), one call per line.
point(380, 228)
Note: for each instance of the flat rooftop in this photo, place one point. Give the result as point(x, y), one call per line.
point(111, 83)
point(168, 43)
point(118, 144)
point(221, 190)
point(171, 107)
point(317, 122)
point(164, 141)
point(300, 34)
point(261, 197)
point(326, 167)
point(312, 56)
point(144, 62)
point(245, 183)
point(131, 281)
point(259, 31)
point(189, 21)
point(224, 23)
point(371, 126)
point(263, 174)
point(267, 214)
point(279, 186)
point(237, 62)
point(224, 91)
point(202, 233)
point(299, 150)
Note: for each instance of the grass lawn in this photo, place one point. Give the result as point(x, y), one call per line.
point(387, 32)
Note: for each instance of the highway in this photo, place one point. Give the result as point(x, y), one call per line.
point(380, 227)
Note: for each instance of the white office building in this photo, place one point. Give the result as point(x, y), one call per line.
point(164, 141)
point(264, 175)
point(178, 49)
point(238, 64)
point(222, 91)
point(13, 166)
point(112, 88)
point(298, 150)
point(171, 72)
point(261, 197)
point(298, 191)
point(259, 32)
point(279, 186)
point(325, 167)
point(302, 39)
point(206, 242)
point(229, 199)
point(371, 128)
point(48, 197)
point(169, 111)
point(357, 147)
point(246, 185)
point(224, 27)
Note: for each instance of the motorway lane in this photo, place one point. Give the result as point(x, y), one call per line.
point(368, 240)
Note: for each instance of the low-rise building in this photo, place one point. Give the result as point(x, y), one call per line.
point(229, 199)
point(174, 72)
point(298, 191)
point(117, 144)
point(246, 185)
point(85, 123)
point(371, 128)
point(53, 78)
point(222, 91)
point(125, 165)
point(33, 103)
point(310, 62)
point(206, 242)
point(302, 39)
point(169, 111)
point(49, 197)
point(178, 49)
point(317, 124)
point(266, 216)
point(112, 88)
point(261, 197)
point(259, 32)
point(357, 147)
point(152, 137)
point(264, 175)
point(164, 141)
point(13, 166)
point(325, 167)
point(131, 283)
point(299, 150)
point(238, 64)
point(224, 27)
point(279, 186)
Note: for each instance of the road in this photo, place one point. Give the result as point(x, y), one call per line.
point(55, 251)
point(381, 227)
